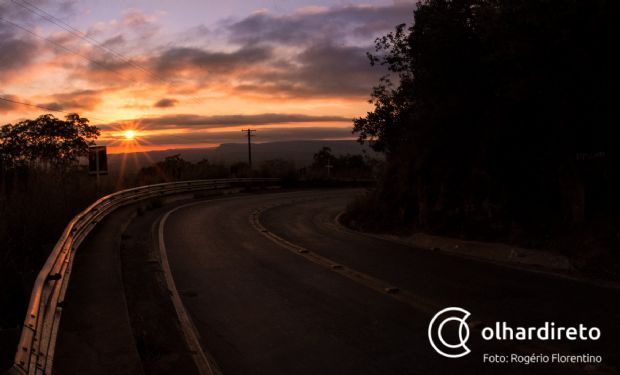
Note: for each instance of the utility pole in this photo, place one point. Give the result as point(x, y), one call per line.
point(250, 135)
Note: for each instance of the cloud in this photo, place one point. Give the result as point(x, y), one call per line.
point(180, 69)
point(8, 105)
point(264, 59)
point(165, 103)
point(305, 26)
point(323, 70)
point(114, 42)
point(15, 12)
point(136, 18)
point(144, 24)
point(188, 120)
point(75, 100)
point(320, 70)
point(182, 58)
point(315, 52)
point(265, 135)
point(107, 70)
point(20, 51)
point(66, 7)
point(17, 52)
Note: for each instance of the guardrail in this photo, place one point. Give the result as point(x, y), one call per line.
point(35, 351)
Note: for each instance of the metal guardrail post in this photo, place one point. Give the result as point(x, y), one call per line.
point(35, 349)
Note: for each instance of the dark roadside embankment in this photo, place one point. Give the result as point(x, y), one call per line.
point(588, 251)
point(516, 144)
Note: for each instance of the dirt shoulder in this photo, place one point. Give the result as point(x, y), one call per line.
point(509, 255)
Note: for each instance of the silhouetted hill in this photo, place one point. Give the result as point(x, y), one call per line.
point(300, 152)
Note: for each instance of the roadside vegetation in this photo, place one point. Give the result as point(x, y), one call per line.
point(325, 167)
point(43, 184)
point(499, 121)
point(41, 188)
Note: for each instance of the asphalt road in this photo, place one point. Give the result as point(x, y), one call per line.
point(273, 286)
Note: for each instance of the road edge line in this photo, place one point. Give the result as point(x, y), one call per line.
point(205, 365)
point(373, 283)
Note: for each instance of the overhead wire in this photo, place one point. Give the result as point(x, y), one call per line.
point(83, 36)
point(45, 108)
point(73, 31)
point(64, 48)
point(77, 33)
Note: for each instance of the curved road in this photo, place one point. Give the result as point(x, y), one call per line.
point(273, 286)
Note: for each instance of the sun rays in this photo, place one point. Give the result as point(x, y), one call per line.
point(129, 134)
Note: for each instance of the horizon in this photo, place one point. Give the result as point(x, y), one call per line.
point(156, 75)
point(214, 147)
point(309, 187)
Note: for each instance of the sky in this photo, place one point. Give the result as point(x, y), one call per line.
point(181, 73)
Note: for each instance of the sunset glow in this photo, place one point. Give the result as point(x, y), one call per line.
point(130, 135)
point(190, 73)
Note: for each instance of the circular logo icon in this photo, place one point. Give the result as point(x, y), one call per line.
point(454, 347)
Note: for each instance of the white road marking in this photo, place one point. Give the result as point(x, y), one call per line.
point(205, 365)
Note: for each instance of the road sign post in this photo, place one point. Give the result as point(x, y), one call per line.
point(329, 167)
point(98, 162)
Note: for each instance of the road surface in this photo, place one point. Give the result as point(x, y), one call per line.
point(274, 286)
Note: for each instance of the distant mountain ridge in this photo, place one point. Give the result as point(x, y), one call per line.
point(299, 152)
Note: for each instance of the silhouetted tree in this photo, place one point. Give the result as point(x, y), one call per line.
point(486, 110)
point(41, 188)
point(240, 169)
point(278, 168)
point(174, 167)
point(341, 166)
point(322, 158)
point(46, 141)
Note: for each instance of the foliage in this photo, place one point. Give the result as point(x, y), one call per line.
point(240, 169)
point(33, 214)
point(343, 166)
point(323, 158)
point(46, 141)
point(175, 168)
point(38, 174)
point(279, 168)
point(499, 116)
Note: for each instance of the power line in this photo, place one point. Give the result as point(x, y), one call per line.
point(65, 48)
point(45, 108)
point(73, 31)
point(68, 50)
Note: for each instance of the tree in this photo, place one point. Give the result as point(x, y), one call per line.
point(278, 168)
point(322, 158)
point(47, 141)
point(240, 169)
point(174, 167)
point(485, 107)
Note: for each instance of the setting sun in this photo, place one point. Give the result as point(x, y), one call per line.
point(129, 135)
